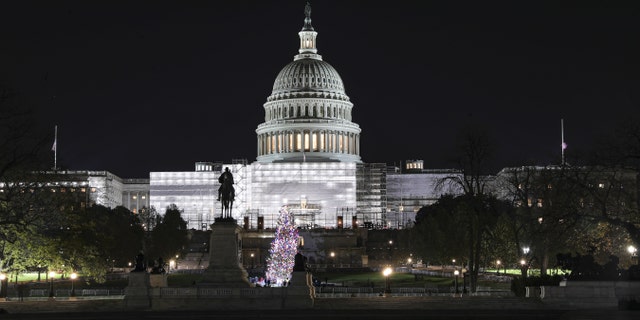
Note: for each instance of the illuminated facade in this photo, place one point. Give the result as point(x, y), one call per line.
point(308, 158)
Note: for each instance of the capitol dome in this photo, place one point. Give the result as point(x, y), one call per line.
point(308, 114)
point(308, 77)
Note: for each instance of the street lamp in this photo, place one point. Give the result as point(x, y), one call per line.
point(633, 251)
point(386, 273)
point(456, 273)
point(73, 276)
point(3, 285)
point(498, 266)
point(51, 275)
point(524, 268)
point(252, 258)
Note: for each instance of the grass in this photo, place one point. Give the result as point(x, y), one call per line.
point(351, 279)
point(365, 279)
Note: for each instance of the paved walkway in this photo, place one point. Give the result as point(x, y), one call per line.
point(338, 315)
point(405, 308)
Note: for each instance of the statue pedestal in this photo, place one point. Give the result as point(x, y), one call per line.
point(225, 268)
point(300, 293)
point(158, 280)
point(136, 294)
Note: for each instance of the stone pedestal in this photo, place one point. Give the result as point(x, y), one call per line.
point(136, 294)
point(158, 280)
point(300, 293)
point(225, 268)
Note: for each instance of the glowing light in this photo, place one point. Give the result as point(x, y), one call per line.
point(283, 249)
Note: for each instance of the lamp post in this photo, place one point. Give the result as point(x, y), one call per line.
point(456, 273)
point(3, 285)
point(51, 275)
point(498, 266)
point(73, 277)
point(333, 260)
point(386, 273)
point(633, 251)
point(252, 258)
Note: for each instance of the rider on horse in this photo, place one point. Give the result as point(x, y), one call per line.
point(226, 193)
point(226, 181)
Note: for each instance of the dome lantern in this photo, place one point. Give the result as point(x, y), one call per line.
point(307, 38)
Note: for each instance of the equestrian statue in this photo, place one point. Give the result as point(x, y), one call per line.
point(226, 193)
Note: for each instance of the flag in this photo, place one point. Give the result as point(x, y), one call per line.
point(564, 146)
point(53, 148)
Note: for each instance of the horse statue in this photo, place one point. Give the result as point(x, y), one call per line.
point(226, 193)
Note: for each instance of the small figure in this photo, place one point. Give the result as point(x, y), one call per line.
point(140, 265)
point(158, 267)
point(300, 262)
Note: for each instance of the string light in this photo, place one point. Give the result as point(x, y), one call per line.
point(284, 248)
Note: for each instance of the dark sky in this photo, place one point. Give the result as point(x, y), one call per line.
point(140, 86)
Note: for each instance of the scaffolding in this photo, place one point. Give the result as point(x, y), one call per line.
point(304, 214)
point(371, 195)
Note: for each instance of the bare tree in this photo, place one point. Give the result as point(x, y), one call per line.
point(473, 161)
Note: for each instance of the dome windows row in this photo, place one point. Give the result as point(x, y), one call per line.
point(309, 141)
point(315, 111)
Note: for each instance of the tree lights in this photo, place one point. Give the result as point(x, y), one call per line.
point(283, 250)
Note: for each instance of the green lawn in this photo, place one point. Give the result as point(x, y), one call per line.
point(351, 279)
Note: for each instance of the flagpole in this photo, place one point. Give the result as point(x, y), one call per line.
point(55, 149)
point(564, 145)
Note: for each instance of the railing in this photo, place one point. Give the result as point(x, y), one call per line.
point(434, 290)
point(219, 292)
point(38, 292)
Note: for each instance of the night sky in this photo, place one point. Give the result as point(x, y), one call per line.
point(141, 86)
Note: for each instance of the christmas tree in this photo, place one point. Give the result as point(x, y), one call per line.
point(283, 249)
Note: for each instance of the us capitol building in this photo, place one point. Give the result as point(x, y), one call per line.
point(308, 158)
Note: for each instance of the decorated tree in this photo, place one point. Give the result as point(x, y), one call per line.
point(283, 249)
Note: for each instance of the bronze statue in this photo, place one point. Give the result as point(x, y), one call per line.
point(307, 10)
point(226, 192)
point(140, 263)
